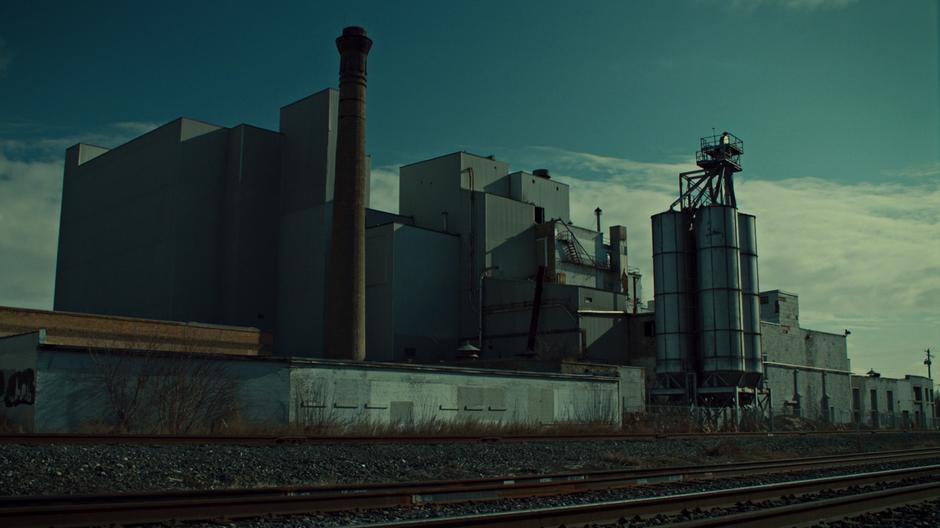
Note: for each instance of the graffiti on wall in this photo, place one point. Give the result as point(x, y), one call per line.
point(18, 387)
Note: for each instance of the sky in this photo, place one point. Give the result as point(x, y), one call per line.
point(836, 101)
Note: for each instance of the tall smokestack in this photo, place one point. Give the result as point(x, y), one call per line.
point(346, 282)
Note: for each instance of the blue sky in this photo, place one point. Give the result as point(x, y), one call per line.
point(837, 102)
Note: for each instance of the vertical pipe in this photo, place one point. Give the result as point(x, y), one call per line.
point(346, 287)
point(536, 307)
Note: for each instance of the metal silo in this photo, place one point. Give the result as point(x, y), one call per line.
point(721, 337)
point(674, 292)
point(750, 298)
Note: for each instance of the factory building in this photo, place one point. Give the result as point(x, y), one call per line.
point(482, 300)
point(233, 228)
point(879, 402)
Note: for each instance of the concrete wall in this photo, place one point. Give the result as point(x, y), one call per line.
point(308, 161)
point(247, 260)
point(70, 392)
point(383, 394)
point(425, 296)
point(304, 240)
point(139, 230)
point(18, 381)
point(563, 332)
point(509, 237)
point(780, 307)
point(899, 403)
point(411, 283)
point(551, 195)
point(811, 355)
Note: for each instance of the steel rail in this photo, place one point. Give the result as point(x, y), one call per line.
point(821, 510)
point(70, 510)
point(82, 438)
point(613, 511)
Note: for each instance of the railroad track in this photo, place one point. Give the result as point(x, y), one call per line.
point(130, 508)
point(783, 516)
point(75, 438)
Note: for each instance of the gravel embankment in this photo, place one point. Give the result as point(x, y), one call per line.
point(63, 469)
point(923, 515)
point(379, 517)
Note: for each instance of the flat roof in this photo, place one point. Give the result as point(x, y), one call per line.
point(100, 331)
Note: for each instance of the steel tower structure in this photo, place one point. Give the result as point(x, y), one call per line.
point(706, 288)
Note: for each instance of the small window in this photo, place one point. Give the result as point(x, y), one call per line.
point(649, 328)
point(776, 306)
point(890, 401)
point(874, 400)
point(539, 215)
point(917, 394)
point(764, 299)
point(588, 300)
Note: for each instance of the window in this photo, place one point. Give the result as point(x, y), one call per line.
point(764, 299)
point(856, 399)
point(539, 215)
point(917, 394)
point(649, 328)
point(776, 306)
point(874, 400)
point(588, 300)
point(890, 401)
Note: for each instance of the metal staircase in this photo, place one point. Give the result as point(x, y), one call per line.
point(575, 253)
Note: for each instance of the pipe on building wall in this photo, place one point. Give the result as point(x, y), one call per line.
point(346, 286)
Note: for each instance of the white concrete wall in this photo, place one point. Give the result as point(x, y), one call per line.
point(810, 354)
point(383, 394)
point(552, 195)
point(71, 395)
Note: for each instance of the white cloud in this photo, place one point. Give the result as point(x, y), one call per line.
point(383, 192)
point(862, 256)
point(109, 136)
point(30, 194)
point(30, 200)
point(916, 171)
point(794, 5)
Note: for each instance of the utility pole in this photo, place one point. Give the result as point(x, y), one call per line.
point(928, 362)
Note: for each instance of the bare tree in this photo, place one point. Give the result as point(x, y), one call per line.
point(148, 388)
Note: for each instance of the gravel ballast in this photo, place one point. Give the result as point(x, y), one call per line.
point(47, 469)
point(378, 517)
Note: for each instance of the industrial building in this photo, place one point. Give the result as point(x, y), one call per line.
point(478, 300)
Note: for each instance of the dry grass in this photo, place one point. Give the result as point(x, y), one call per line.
point(442, 428)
